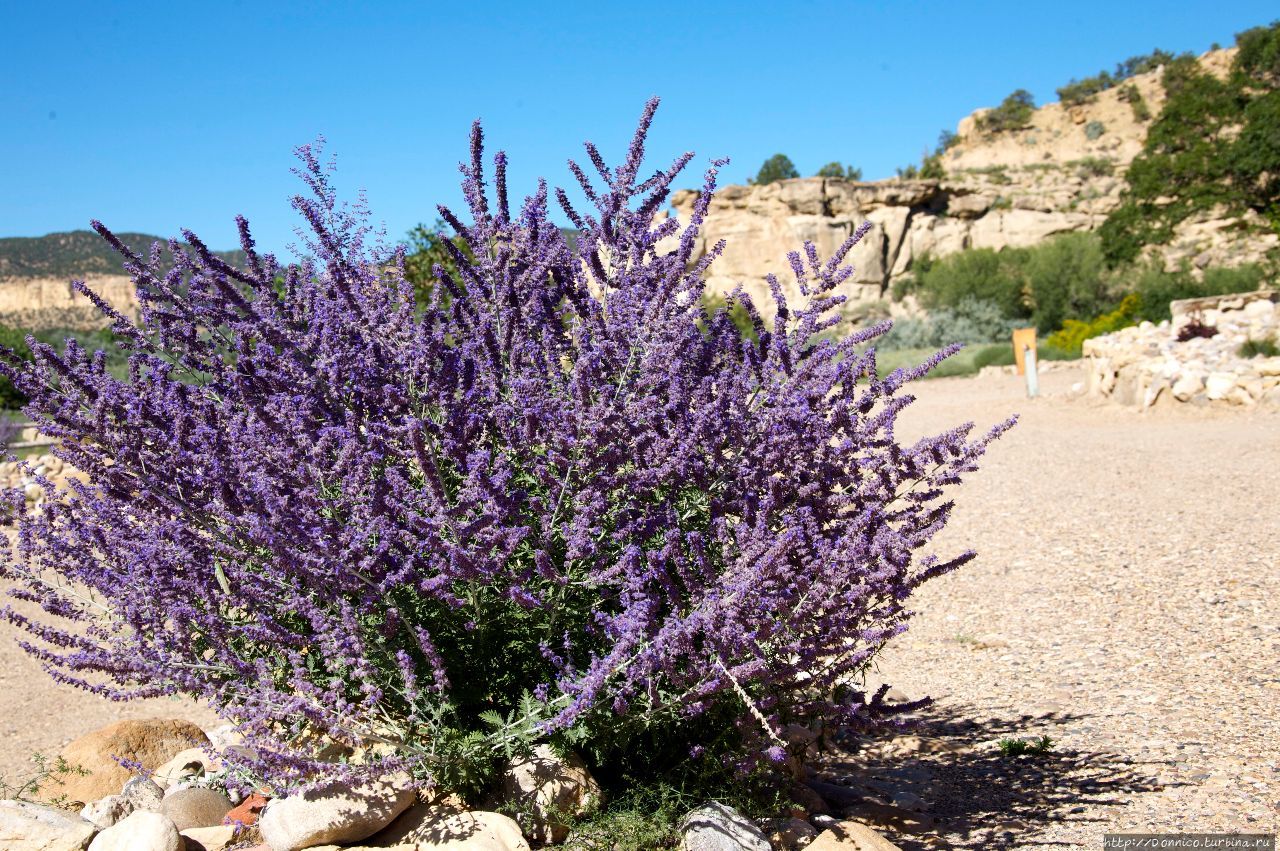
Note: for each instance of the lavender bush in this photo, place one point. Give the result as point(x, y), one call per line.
point(561, 501)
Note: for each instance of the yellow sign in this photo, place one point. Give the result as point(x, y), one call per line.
point(1023, 339)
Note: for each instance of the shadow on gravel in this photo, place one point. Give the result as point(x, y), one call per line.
point(945, 783)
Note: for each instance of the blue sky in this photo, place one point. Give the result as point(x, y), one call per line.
point(158, 116)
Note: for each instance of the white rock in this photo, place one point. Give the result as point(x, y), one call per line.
point(717, 827)
point(34, 827)
point(209, 838)
point(1219, 384)
point(105, 812)
point(142, 831)
point(337, 813)
point(144, 793)
point(1187, 385)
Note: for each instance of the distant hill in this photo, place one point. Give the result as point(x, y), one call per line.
point(73, 254)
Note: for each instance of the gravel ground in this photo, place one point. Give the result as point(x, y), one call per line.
point(1124, 603)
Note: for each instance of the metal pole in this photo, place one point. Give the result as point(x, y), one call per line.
point(1033, 380)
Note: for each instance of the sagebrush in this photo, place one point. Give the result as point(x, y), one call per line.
point(556, 501)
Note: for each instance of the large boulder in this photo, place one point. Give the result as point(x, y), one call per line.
point(149, 743)
point(719, 827)
point(34, 827)
point(545, 789)
point(196, 807)
point(142, 831)
point(337, 813)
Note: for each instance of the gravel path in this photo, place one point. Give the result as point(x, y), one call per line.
point(1124, 603)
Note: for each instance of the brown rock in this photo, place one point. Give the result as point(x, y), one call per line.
point(196, 807)
point(247, 811)
point(851, 836)
point(438, 829)
point(151, 743)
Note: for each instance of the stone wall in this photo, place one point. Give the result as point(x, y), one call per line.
point(1147, 363)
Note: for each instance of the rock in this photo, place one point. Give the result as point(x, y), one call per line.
point(851, 836)
point(808, 799)
point(1219, 384)
point(790, 834)
point(142, 831)
point(34, 827)
point(196, 807)
point(891, 816)
point(334, 813)
point(248, 811)
point(1187, 385)
point(144, 794)
point(717, 827)
point(187, 765)
point(426, 826)
point(209, 838)
point(150, 743)
point(105, 812)
point(543, 788)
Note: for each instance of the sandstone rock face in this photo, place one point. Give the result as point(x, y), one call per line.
point(40, 303)
point(1141, 365)
point(334, 814)
point(33, 827)
point(142, 831)
point(150, 743)
point(717, 827)
point(1002, 190)
point(545, 787)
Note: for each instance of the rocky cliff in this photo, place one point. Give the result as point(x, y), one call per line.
point(1063, 172)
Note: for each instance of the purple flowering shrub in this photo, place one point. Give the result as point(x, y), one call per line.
point(561, 500)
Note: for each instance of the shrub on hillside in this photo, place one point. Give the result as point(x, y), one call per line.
point(1158, 286)
point(1013, 113)
point(844, 172)
point(1214, 147)
point(14, 340)
point(1066, 277)
point(558, 502)
point(979, 273)
point(1070, 338)
point(969, 321)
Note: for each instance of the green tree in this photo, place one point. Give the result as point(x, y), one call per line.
point(13, 339)
point(1067, 278)
point(425, 249)
point(835, 169)
point(1013, 113)
point(777, 167)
